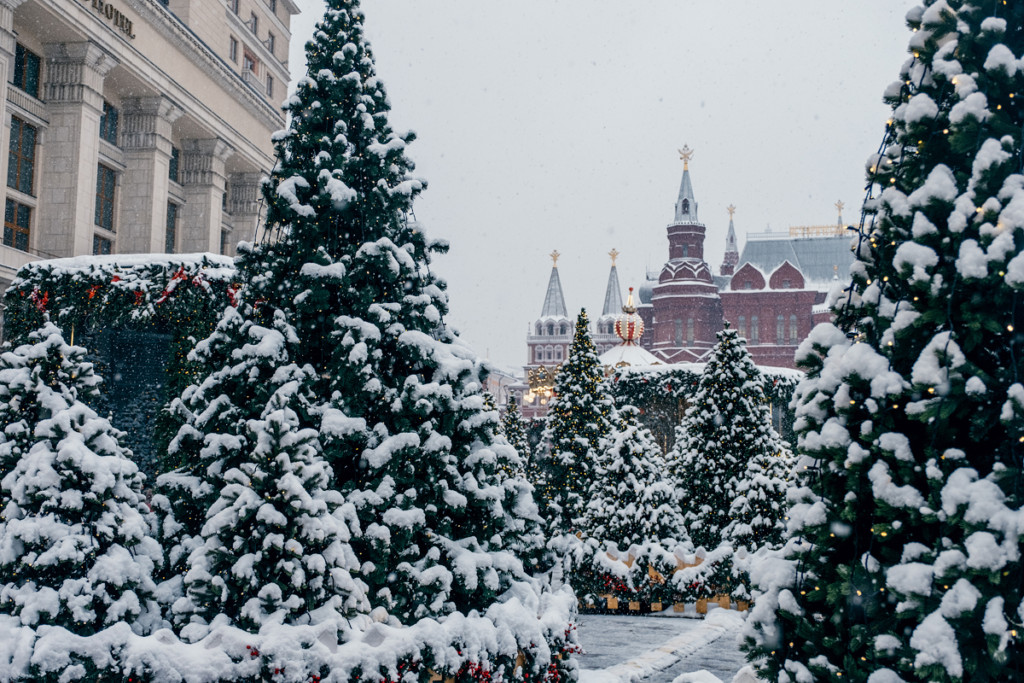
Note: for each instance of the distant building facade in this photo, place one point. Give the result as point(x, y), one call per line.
point(773, 293)
point(137, 126)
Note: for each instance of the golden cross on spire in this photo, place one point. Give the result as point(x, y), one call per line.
point(554, 258)
point(614, 253)
point(686, 154)
point(731, 209)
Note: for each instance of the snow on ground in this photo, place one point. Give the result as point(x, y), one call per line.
point(620, 648)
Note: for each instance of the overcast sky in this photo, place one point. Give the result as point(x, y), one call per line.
point(554, 124)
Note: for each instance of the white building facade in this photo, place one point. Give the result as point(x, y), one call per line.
point(137, 126)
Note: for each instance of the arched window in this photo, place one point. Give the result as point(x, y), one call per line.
point(539, 353)
point(686, 206)
point(540, 329)
point(780, 330)
point(792, 329)
point(563, 330)
point(755, 332)
point(551, 329)
point(689, 331)
point(549, 352)
point(558, 353)
point(741, 326)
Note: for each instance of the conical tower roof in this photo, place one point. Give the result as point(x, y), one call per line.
point(554, 300)
point(612, 293)
point(732, 252)
point(686, 204)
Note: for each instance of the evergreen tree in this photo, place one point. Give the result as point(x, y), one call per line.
point(759, 510)
point(514, 431)
point(630, 500)
point(726, 426)
point(902, 562)
point(579, 416)
point(343, 274)
point(22, 378)
point(75, 549)
point(272, 541)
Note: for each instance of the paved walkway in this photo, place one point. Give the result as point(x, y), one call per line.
point(658, 650)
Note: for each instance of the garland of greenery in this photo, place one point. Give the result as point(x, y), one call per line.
point(176, 297)
point(660, 392)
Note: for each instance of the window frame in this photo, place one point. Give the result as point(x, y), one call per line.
point(27, 63)
point(171, 228)
point(15, 209)
point(109, 123)
point(22, 166)
point(105, 202)
point(233, 49)
point(98, 244)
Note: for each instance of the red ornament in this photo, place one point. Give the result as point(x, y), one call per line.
point(138, 297)
point(116, 278)
point(40, 300)
point(93, 290)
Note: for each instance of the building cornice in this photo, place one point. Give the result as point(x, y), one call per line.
point(170, 27)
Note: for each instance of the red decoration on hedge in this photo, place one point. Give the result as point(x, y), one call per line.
point(40, 301)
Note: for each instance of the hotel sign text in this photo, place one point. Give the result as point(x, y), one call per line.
point(113, 15)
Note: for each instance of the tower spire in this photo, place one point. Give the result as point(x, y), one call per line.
point(732, 252)
point(613, 292)
point(554, 301)
point(686, 204)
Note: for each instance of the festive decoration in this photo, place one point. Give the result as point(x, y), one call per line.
point(903, 562)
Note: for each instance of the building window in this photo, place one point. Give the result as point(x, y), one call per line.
point(233, 49)
point(689, 331)
point(270, 85)
point(558, 353)
point(539, 353)
point(26, 70)
point(108, 123)
point(679, 332)
point(548, 353)
point(105, 181)
point(21, 159)
point(248, 62)
point(563, 330)
point(100, 245)
point(786, 284)
point(173, 164)
point(686, 251)
point(741, 326)
point(171, 236)
point(551, 329)
point(254, 22)
point(540, 329)
point(755, 332)
point(780, 330)
point(233, 4)
point(224, 242)
point(271, 42)
point(792, 329)
point(273, 5)
point(17, 219)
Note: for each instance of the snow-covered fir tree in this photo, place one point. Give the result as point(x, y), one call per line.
point(726, 426)
point(342, 277)
point(579, 415)
point(276, 539)
point(514, 431)
point(759, 510)
point(75, 549)
point(631, 500)
point(22, 377)
point(903, 561)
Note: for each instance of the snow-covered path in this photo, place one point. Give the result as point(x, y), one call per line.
point(657, 650)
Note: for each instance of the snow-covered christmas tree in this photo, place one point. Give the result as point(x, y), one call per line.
point(759, 510)
point(75, 549)
point(338, 298)
point(579, 416)
point(726, 427)
point(631, 499)
point(514, 431)
point(902, 562)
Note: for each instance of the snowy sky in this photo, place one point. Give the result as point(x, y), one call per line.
point(554, 124)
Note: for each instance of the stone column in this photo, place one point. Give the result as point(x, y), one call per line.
point(203, 179)
point(73, 92)
point(244, 205)
point(146, 140)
